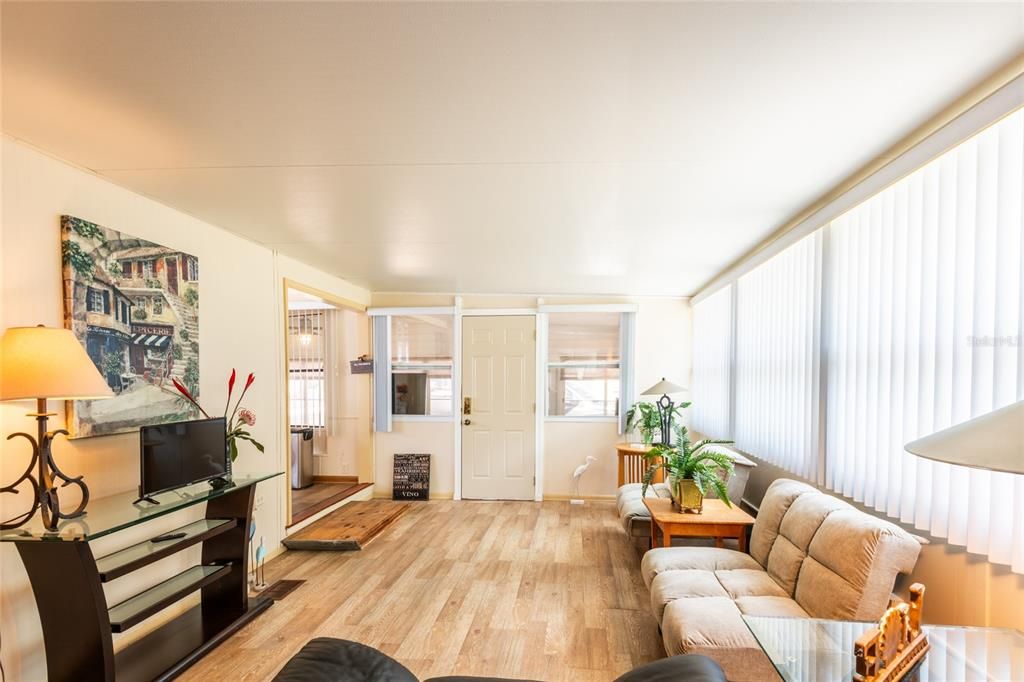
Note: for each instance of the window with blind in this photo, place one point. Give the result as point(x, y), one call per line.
point(925, 332)
point(712, 365)
point(921, 291)
point(777, 358)
point(583, 364)
point(306, 385)
point(421, 365)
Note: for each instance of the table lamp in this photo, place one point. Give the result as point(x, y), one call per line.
point(993, 441)
point(665, 406)
point(41, 363)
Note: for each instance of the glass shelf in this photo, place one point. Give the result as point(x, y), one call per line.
point(808, 649)
point(143, 605)
point(117, 512)
point(125, 561)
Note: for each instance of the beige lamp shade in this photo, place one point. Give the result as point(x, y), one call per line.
point(993, 441)
point(43, 362)
point(664, 387)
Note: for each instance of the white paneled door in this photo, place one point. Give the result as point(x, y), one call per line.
point(499, 356)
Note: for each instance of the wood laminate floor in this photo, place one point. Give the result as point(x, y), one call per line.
point(545, 591)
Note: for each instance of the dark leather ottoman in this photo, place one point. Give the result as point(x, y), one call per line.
point(685, 668)
point(340, 660)
point(326, 659)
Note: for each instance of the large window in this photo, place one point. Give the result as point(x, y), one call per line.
point(925, 315)
point(583, 364)
point(776, 329)
point(306, 380)
point(911, 324)
point(421, 365)
point(712, 364)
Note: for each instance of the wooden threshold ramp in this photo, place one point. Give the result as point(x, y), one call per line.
point(348, 528)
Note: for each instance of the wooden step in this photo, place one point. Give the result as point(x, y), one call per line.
point(349, 528)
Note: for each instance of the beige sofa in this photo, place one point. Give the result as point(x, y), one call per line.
point(636, 520)
point(811, 555)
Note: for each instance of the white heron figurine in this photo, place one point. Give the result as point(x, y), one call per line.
point(576, 476)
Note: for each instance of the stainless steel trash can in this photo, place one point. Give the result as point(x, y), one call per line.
point(302, 457)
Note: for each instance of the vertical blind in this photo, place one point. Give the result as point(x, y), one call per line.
point(919, 327)
point(307, 390)
point(925, 332)
point(382, 373)
point(712, 361)
point(627, 374)
point(776, 359)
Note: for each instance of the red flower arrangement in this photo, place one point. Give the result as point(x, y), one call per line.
point(241, 417)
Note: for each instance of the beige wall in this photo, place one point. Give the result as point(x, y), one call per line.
point(963, 589)
point(566, 446)
point(433, 438)
point(241, 325)
point(350, 440)
point(663, 337)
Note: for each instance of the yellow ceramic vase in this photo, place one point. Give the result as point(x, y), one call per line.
point(687, 497)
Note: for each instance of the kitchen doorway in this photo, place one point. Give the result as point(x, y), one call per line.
point(328, 406)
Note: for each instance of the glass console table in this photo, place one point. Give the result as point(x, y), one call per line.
point(67, 581)
point(822, 650)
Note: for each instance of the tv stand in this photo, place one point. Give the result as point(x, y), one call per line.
point(67, 582)
point(146, 498)
point(219, 483)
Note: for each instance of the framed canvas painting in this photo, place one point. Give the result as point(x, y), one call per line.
point(134, 306)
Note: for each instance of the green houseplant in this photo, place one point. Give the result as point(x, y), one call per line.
point(643, 417)
point(691, 470)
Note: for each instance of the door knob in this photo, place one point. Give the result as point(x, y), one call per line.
point(466, 422)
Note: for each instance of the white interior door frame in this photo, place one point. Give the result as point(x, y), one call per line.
point(541, 384)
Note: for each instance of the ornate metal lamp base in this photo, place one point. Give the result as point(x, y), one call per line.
point(44, 481)
point(665, 406)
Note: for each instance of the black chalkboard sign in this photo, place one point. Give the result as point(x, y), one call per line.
point(411, 479)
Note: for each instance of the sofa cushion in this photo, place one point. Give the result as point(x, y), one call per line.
point(702, 558)
point(769, 605)
point(773, 508)
point(636, 519)
point(798, 527)
point(714, 626)
point(852, 564)
point(685, 584)
point(739, 583)
point(748, 582)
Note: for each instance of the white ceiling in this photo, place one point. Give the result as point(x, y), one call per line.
point(522, 148)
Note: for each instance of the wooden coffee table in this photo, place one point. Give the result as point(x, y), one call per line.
point(716, 521)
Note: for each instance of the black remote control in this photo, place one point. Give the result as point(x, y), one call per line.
point(168, 536)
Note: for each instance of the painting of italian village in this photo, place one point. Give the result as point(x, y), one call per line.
point(134, 305)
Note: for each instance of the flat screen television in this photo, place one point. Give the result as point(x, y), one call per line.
point(182, 453)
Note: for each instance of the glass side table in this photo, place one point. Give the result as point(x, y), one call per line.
point(814, 650)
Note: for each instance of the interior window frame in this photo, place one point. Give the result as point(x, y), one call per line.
point(399, 367)
point(585, 364)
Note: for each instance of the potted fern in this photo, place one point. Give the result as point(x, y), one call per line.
point(691, 470)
